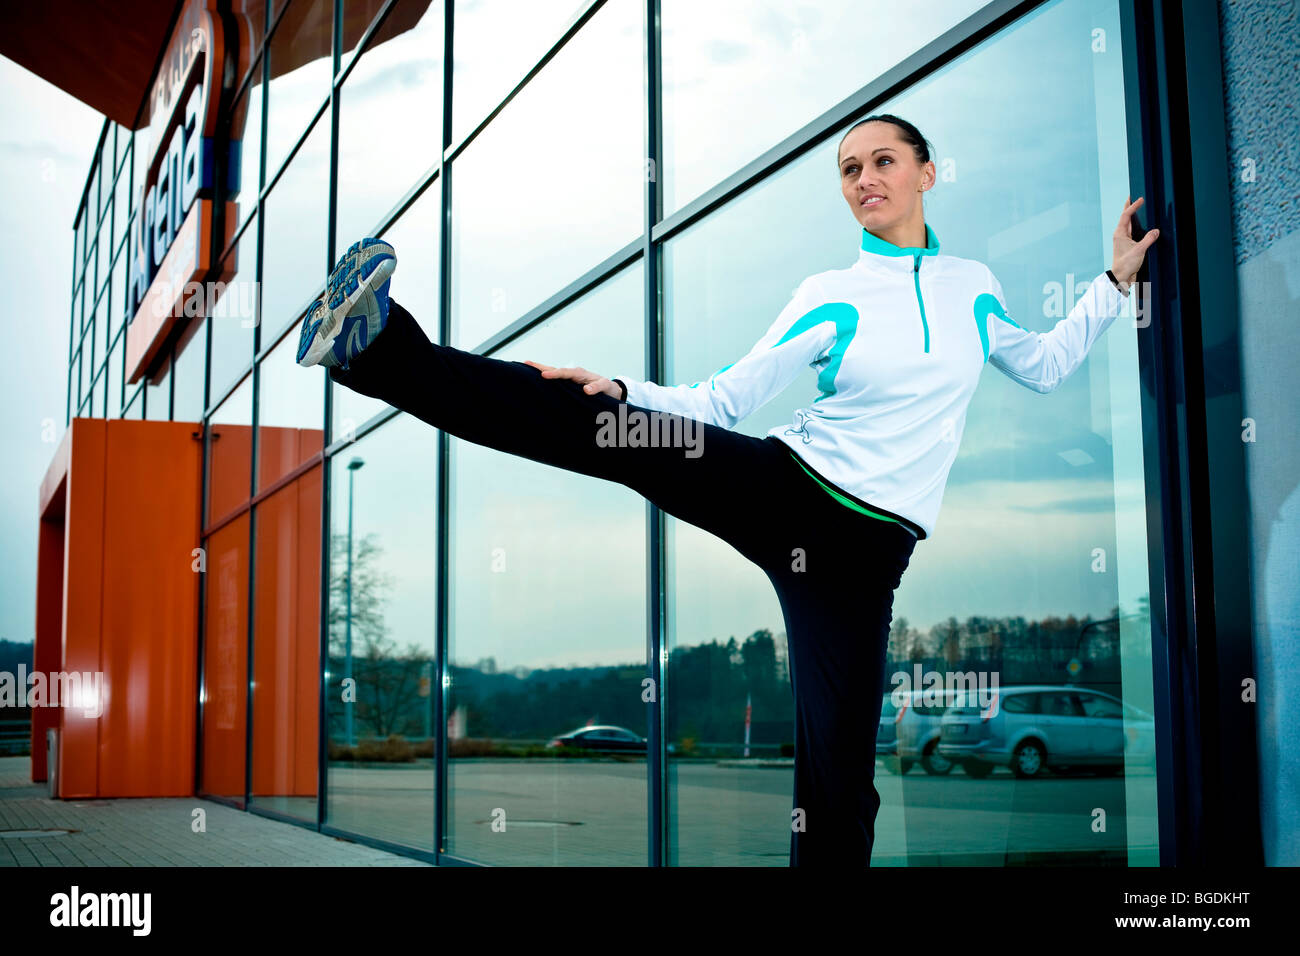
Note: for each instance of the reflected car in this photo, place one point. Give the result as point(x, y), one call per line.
point(600, 739)
point(1032, 728)
point(910, 733)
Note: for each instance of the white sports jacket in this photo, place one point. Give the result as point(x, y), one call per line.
point(898, 340)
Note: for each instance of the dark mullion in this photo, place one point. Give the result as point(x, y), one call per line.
point(442, 530)
point(1220, 506)
point(327, 410)
point(255, 445)
point(656, 783)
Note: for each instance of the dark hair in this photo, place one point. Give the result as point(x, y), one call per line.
point(909, 134)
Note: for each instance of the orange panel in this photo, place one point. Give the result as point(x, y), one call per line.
point(225, 660)
point(150, 609)
point(286, 640)
point(281, 450)
point(230, 469)
point(82, 593)
point(307, 671)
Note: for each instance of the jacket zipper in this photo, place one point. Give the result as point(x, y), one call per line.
point(916, 277)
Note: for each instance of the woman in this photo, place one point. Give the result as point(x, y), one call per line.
point(830, 507)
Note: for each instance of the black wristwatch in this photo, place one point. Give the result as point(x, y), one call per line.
point(1111, 275)
point(622, 386)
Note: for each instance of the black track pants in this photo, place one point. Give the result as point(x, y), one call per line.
point(834, 570)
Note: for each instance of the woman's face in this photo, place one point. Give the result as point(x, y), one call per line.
point(880, 177)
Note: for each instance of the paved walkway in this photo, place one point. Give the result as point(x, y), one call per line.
point(157, 832)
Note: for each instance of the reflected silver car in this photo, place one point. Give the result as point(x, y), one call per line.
point(910, 733)
point(1030, 728)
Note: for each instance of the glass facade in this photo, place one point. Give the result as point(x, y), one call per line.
point(525, 631)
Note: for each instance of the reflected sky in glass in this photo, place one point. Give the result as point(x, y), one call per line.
point(520, 604)
point(555, 183)
point(294, 265)
point(390, 122)
point(739, 76)
point(497, 42)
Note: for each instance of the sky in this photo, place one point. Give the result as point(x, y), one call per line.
point(47, 141)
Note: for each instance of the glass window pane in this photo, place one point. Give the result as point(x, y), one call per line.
point(225, 662)
point(717, 304)
point(191, 366)
point(776, 63)
point(286, 648)
point(104, 256)
point(122, 203)
point(497, 42)
point(383, 494)
point(290, 414)
point(82, 251)
point(158, 397)
point(135, 404)
point(115, 298)
point(544, 188)
point(230, 454)
point(95, 338)
point(107, 155)
point(296, 220)
point(398, 76)
point(84, 390)
point(415, 238)
point(91, 286)
point(234, 314)
point(300, 75)
point(246, 130)
point(521, 674)
point(114, 386)
point(1070, 460)
point(123, 142)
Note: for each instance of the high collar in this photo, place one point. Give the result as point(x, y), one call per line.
point(879, 253)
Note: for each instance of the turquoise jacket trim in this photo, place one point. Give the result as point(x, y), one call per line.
point(987, 304)
point(873, 243)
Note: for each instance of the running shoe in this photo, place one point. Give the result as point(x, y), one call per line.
point(354, 308)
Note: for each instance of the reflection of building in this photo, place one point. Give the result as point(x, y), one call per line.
point(194, 438)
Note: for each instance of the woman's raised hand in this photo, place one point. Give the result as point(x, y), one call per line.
point(1128, 254)
point(590, 381)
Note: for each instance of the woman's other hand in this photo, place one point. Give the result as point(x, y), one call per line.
point(1128, 254)
point(590, 381)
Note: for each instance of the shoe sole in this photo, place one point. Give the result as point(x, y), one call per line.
point(346, 275)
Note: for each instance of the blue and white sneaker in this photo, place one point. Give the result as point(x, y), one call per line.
point(354, 309)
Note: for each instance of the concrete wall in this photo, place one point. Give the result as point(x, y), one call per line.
point(1261, 49)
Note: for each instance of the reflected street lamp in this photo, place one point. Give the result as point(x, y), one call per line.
point(353, 467)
